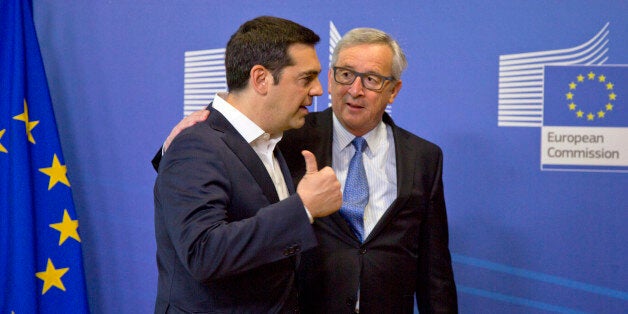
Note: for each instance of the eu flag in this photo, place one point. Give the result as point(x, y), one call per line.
point(585, 96)
point(41, 269)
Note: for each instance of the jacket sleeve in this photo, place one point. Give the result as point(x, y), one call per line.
point(194, 193)
point(436, 289)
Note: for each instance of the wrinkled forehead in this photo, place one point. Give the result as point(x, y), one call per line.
point(367, 58)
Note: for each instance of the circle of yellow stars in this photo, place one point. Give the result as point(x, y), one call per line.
point(591, 116)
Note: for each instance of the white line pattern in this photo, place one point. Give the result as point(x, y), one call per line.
point(204, 76)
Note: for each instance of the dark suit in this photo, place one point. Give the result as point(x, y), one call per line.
point(225, 243)
point(406, 252)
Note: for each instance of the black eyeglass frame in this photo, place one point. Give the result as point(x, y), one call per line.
point(362, 76)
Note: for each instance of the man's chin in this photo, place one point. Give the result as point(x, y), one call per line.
point(298, 123)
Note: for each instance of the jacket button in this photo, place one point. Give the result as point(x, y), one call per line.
point(362, 251)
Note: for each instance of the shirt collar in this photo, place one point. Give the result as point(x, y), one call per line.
point(375, 138)
point(247, 128)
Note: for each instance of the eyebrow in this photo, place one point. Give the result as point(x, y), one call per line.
point(367, 72)
point(310, 72)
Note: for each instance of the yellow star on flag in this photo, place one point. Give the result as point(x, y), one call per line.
point(67, 227)
point(600, 114)
point(30, 125)
point(52, 277)
point(572, 85)
point(572, 106)
point(612, 96)
point(590, 116)
point(2, 148)
point(591, 75)
point(579, 113)
point(580, 78)
point(569, 95)
point(601, 78)
point(609, 107)
point(609, 86)
point(57, 173)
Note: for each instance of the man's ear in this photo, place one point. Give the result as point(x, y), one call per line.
point(395, 91)
point(260, 79)
point(330, 76)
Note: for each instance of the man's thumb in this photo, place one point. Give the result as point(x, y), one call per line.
point(310, 162)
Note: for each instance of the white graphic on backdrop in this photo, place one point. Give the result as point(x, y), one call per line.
point(204, 76)
point(520, 101)
point(334, 37)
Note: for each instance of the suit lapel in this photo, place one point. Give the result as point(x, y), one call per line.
point(245, 153)
point(405, 159)
point(323, 145)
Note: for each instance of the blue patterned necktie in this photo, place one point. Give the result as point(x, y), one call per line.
point(356, 192)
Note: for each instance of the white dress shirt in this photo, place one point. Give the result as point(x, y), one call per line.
point(380, 165)
point(261, 142)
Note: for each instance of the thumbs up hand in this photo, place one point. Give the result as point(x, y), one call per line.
point(319, 190)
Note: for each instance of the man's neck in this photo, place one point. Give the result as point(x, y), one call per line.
point(252, 107)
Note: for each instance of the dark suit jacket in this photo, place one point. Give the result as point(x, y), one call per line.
point(407, 251)
point(224, 242)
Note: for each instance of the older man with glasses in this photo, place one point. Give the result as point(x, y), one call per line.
point(391, 243)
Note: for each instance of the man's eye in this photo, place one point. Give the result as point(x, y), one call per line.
point(309, 79)
point(345, 74)
point(373, 79)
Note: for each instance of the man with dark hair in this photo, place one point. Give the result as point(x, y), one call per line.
point(229, 224)
point(264, 41)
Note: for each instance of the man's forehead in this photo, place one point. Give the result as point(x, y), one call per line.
point(366, 58)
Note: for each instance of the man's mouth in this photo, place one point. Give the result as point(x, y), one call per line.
point(354, 106)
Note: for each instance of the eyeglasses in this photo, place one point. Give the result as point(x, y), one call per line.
point(370, 81)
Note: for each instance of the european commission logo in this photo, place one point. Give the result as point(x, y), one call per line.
point(578, 101)
point(205, 75)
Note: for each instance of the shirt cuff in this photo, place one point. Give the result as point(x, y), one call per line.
point(309, 216)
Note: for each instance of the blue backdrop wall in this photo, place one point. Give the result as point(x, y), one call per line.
point(532, 229)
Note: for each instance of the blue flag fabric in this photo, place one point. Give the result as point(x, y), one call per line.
point(586, 96)
point(41, 268)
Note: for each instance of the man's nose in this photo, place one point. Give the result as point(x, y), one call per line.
point(317, 89)
point(357, 88)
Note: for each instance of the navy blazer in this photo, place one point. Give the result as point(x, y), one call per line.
point(225, 243)
point(407, 251)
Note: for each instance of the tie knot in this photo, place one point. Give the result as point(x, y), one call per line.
point(359, 143)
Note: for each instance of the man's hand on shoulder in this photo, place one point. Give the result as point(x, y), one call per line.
point(187, 122)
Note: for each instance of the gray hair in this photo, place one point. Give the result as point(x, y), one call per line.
point(359, 36)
